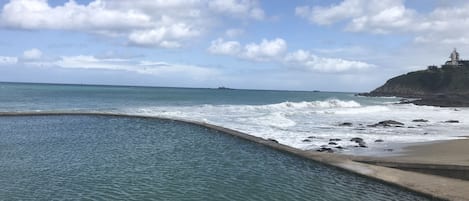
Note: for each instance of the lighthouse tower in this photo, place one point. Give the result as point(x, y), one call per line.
point(454, 57)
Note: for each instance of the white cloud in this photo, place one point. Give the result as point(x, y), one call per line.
point(4, 60)
point(377, 16)
point(443, 25)
point(276, 51)
point(266, 50)
point(38, 14)
point(329, 15)
point(158, 23)
point(306, 60)
point(167, 37)
point(141, 67)
point(219, 46)
point(238, 8)
point(32, 54)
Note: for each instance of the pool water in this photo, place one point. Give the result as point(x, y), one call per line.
point(126, 158)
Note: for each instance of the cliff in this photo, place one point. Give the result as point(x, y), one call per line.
point(445, 86)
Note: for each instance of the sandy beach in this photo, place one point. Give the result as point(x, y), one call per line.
point(439, 168)
point(450, 152)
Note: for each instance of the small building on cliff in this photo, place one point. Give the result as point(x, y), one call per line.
point(455, 61)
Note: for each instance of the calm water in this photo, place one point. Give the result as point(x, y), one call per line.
point(121, 158)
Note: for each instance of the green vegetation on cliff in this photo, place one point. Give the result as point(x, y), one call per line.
point(447, 86)
point(433, 81)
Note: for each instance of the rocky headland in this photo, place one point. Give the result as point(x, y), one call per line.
point(445, 86)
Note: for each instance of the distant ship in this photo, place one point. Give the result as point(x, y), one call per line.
point(224, 88)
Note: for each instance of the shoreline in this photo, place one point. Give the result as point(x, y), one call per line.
point(451, 152)
point(442, 152)
point(433, 186)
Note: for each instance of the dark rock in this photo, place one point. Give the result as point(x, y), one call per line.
point(334, 139)
point(419, 120)
point(332, 143)
point(387, 123)
point(356, 139)
point(411, 127)
point(379, 140)
point(362, 144)
point(324, 149)
point(452, 121)
point(388, 149)
point(425, 133)
point(312, 137)
point(450, 100)
point(323, 146)
point(272, 140)
point(306, 140)
point(346, 124)
point(390, 122)
point(339, 147)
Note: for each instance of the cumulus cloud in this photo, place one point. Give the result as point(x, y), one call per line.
point(444, 25)
point(219, 46)
point(378, 16)
point(167, 37)
point(158, 23)
point(32, 54)
point(276, 51)
point(238, 8)
point(4, 60)
point(38, 14)
point(266, 50)
point(307, 60)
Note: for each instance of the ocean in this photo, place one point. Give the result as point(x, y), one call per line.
point(302, 119)
point(97, 157)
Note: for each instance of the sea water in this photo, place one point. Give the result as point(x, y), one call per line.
point(92, 157)
point(301, 119)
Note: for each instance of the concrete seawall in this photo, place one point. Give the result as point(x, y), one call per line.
point(433, 186)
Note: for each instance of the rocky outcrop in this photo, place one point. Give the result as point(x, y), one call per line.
point(447, 86)
point(346, 124)
point(452, 121)
point(387, 123)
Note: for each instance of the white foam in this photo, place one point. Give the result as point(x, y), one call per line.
point(292, 122)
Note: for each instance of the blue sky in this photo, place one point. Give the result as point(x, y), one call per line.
point(342, 45)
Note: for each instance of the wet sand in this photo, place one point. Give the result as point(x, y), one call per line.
point(450, 152)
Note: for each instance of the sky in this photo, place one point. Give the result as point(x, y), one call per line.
point(336, 45)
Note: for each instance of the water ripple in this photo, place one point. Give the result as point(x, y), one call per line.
point(111, 158)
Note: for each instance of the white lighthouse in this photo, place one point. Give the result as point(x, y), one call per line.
point(454, 57)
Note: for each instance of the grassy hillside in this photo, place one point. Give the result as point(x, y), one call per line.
point(445, 80)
